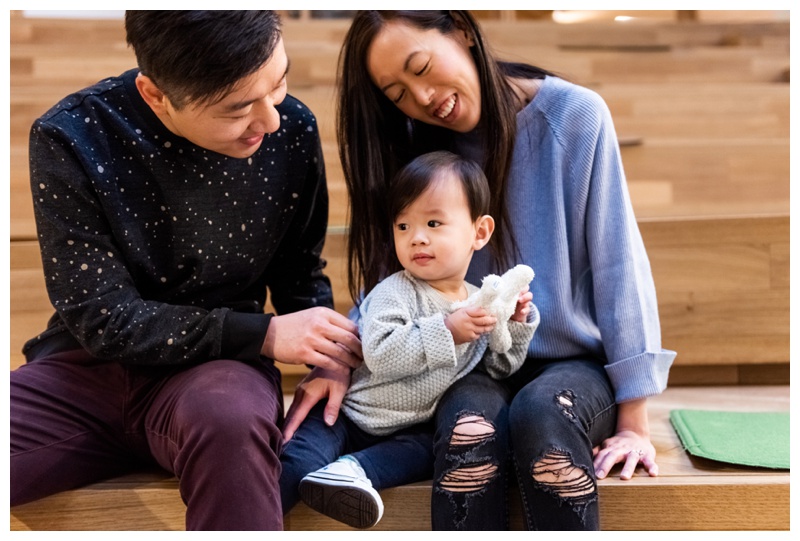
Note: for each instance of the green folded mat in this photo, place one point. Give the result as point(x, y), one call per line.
point(748, 438)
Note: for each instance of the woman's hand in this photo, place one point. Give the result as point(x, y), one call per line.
point(627, 447)
point(318, 384)
point(630, 445)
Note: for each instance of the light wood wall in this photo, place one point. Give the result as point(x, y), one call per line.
point(703, 110)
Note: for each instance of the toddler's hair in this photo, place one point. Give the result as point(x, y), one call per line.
point(415, 177)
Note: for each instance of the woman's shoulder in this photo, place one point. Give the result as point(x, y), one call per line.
point(560, 95)
point(558, 88)
point(568, 107)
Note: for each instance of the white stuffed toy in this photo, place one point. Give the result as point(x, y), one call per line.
point(498, 295)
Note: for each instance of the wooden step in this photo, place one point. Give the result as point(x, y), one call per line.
point(666, 177)
point(725, 29)
point(689, 494)
point(675, 89)
point(705, 270)
point(699, 111)
point(696, 151)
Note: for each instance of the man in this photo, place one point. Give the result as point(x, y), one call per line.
point(168, 200)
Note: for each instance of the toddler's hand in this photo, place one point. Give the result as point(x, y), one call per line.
point(467, 324)
point(523, 306)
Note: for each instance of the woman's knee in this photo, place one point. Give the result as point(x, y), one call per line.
point(542, 411)
point(471, 441)
point(472, 469)
point(552, 450)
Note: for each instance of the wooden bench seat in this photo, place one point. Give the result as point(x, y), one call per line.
point(689, 494)
point(730, 31)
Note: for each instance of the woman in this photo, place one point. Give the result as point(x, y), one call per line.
point(416, 81)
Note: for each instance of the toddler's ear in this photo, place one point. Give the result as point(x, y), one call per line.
point(484, 227)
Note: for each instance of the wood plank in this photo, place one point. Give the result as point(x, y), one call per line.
point(668, 175)
point(705, 271)
point(737, 31)
point(689, 494)
point(696, 111)
point(315, 62)
point(733, 28)
point(133, 503)
point(691, 505)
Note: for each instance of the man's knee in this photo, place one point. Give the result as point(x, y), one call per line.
point(235, 409)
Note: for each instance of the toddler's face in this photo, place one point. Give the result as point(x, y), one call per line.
point(435, 236)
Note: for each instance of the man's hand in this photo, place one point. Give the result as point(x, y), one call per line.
point(318, 384)
point(317, 336)
point(467, 324)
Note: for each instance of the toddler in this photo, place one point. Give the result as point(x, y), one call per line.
point(414, 344)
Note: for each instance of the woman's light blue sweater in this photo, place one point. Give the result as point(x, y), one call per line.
point(575, 227)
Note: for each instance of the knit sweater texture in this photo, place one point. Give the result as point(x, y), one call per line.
point(159, 252)
point(410, 357)
point(574, 223)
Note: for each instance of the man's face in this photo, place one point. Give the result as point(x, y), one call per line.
point(235, 126)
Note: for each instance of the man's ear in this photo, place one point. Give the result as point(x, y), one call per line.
point(484, 227)
point(151, 94)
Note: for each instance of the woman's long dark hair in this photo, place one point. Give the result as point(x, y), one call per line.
point(376, 139)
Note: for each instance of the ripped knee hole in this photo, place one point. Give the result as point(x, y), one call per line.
point(471, 478)
point(557, 473)
point(566, 401)
point(471, 430)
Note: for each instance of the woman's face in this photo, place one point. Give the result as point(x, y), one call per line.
point(428, 75)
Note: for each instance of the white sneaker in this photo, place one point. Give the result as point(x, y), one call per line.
point(342, 491)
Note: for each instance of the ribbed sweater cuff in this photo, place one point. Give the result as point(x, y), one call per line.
point(243, 335)
point(640, 376)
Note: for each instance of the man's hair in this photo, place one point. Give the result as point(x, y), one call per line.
point(199, 56)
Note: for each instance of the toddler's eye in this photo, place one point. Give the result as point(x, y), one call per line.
point(434, 223)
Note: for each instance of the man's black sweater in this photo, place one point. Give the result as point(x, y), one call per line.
point(157, 251)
